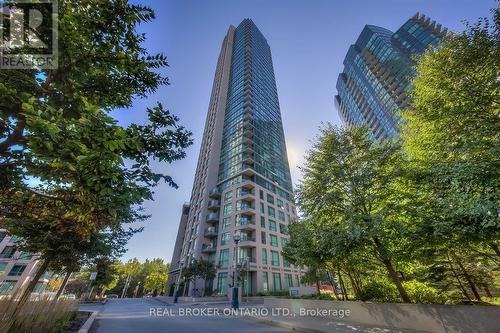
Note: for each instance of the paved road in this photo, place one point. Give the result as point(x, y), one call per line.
point(133, 315)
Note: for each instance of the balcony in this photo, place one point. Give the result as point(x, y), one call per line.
point(246, 261)
point(215, 193)
point(208, 248)
point(247, 124)
point(248, 172)
point(212, 217)
point(245, 193)
point(246, 222)
point(247, 241)
point(248, 159)
point(214, 204)
point(245, 208)
point(211, 232)
point(248, 141)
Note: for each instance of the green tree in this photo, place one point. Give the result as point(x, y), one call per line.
point(451, 134)
point(69, 173)
point(353, 186)
point(199, 269)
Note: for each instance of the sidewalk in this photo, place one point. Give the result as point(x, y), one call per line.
point(320, 325)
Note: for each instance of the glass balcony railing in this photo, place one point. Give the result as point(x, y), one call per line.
point(208, 248)
point(245, 221)
point(215, 193)
point(211, 231)
point(214, 204)
point(212, 217)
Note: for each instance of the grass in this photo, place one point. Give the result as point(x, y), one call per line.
point(36, 316)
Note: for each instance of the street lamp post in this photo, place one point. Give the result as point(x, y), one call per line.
point(235, 299)
point(247, 267)
point(176, 290)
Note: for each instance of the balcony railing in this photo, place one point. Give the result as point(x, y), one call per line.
point(245, 221)
point(208, 248)
point(245, 238)
point(215, 193)
point(211, 231)
point(212, 217)
point(214, 204)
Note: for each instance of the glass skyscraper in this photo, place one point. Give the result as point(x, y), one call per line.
point(242, 182)
point(377, 75)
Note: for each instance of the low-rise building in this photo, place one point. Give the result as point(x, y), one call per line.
point(16, 266)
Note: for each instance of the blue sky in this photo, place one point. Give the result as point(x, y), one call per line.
point(308, 39)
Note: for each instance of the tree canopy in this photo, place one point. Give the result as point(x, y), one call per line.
point(72, 176)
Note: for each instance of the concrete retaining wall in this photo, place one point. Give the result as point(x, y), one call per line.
point(419, 317)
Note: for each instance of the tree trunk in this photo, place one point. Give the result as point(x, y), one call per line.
point(63, 286)
point(29, 289)
point(318, 289)
point(355, 287)
point(487, 290)
point(32, 284)
point(495, 248)
point(393, 275)
point(461, 286)
point(342, 286)
point(469, 280)
point(332, 283)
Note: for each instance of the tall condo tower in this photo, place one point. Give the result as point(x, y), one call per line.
point(377, 75)
point(242, 183)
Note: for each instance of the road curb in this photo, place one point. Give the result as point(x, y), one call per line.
point(284, 325)
point(88, 323)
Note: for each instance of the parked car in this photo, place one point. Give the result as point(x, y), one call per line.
point(111, 296)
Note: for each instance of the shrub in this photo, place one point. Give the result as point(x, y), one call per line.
point(420, 292)
point(380, 291)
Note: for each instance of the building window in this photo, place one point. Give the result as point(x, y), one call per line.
point(271, 212)
point(224, 258)
point(228, 196)
point(228, 209)
point(264, 256)
point(263, 237)
point(288, 281)
point(273, 240)
point(2, 267)
point(275, 258)
point(6, 287)
point(281, 216)
point(262, 209)
point(276, 281)
point(261, 194)
point(17, 270)
point(297, 279)
point(226, 223)
point(272, 225)
point(279, 203)
point(265, 281)
point(262, 222)
point(222, 284)
point(8, 252)
point(270, 199)
point(15, 239)
point(284, 241)
point(225, 238)
point(25, 256)
point(283, 229)
point(286, 263)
